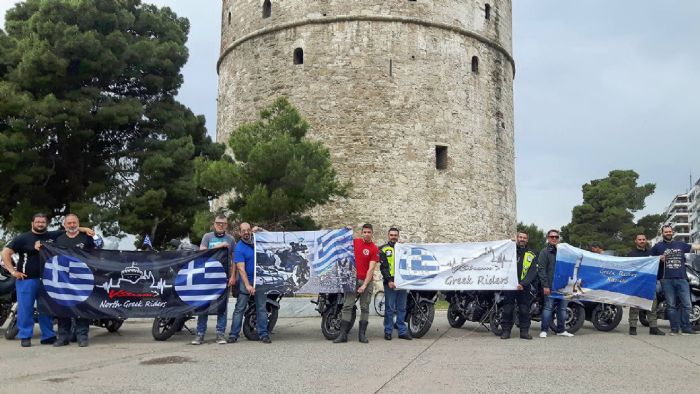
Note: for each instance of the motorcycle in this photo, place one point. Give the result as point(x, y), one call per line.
point(474, 306)
point(8, 306)
point(692, 268)
point(250, 315)
point(605, 317)
point(330, 306)
point(420, 311)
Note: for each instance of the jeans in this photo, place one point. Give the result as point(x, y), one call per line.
point(239, 311)
point(523, 299)
point(547, 313)
point(67, 324)
point(395, 302)
point(27, 291)
point(365, 298)
point(677, 288)
point(220, 323)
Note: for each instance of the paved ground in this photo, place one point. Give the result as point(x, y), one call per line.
point(446, 360)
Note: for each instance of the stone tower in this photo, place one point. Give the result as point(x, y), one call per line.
point(413, 98)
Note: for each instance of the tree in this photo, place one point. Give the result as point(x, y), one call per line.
point(649, 224)
point(536, 235)
point(88, 119)
point(606, 215)
point(278, 174)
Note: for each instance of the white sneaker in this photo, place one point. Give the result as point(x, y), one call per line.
point(565, 334)
point(543, 334)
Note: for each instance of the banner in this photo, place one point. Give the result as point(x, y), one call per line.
point(587, 276)
point(110, 283)
point(463, 266)
point(304, 262)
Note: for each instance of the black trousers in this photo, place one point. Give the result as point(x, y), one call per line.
point(523, 299)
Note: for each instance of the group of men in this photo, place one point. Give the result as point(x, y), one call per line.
point(532, 269)
point(671, 274)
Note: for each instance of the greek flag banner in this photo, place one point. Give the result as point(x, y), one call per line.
point(304, 261)
point(462, 266)
point(587, 276)
point(109, 283)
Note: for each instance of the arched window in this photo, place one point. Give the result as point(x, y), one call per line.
point(267, 9)
point(475, 64)
point(298, 56)
point(487, 11)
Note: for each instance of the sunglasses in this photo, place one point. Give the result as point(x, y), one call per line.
point(554, 236)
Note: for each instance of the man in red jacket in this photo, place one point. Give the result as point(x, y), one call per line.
point(366, 259)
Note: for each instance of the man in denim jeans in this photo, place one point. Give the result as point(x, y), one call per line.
point(216, 239)
point(675, 280)
point(546, 261)
point(244, 257)
point(395, 298)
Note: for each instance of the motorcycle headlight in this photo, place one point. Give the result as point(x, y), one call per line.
point(693, 279)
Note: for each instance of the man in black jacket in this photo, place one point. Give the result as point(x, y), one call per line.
point(395, 298)
point(641, 250)
point(546, 261)
point(527, 272)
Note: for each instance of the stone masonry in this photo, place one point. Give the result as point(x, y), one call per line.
point(385, 85)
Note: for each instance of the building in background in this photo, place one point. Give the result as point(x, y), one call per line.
point(683, 215)
point(694, 212)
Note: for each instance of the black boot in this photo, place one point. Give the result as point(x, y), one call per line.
point(344, 328)
point(633, 330)
point(505, 334)
point(655, 331)
point(525, 334)
point(363, 330)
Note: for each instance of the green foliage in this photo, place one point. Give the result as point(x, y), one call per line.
point(650, 224)
point(278, 174)
point(606, 215)
point(88, 119)
point(536, 235)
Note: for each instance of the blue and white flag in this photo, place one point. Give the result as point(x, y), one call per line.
point(587, 276)
point(201, 281)
point(304, 261)
point(462, 266)
point(67, 280)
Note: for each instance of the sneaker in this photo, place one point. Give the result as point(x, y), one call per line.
point(26, 342)
point(198, 340)
point(633, 330)
point(565, 334)
point(673, 332)
point(48, 341)
point(689, 331)
point(231, 340)
point(543, 334)
point(265, 340)
point(387, 337)
point(220, 339)
point(656, 331)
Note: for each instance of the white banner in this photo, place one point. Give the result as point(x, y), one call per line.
point(463, 266)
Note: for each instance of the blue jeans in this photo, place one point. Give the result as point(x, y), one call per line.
point(27, 291)
point(547, 314)
point(220, 323)
point(395, 303)
point(673, 289)
point(239, 311)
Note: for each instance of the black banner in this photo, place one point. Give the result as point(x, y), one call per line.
point(110, 283)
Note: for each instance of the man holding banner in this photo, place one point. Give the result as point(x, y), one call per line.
point(527, 273)
point(395, 298)
point(546, 262)
point(675, 279)
point(641, 250)
point(366, 258)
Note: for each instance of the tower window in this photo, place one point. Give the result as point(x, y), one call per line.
point(267, 9)
point(441, 157)
point(475, 64)
point(298, 56)
point(229, 18)
point(487, 11)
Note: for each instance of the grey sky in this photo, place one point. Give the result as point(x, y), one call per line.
point(600, 85)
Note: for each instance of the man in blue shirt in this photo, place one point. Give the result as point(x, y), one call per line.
point(675, 280)
point(244, 258)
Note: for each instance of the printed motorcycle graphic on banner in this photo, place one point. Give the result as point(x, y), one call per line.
point(304, 262)
point(108, 283)
point(587, 276)
point(459, 266)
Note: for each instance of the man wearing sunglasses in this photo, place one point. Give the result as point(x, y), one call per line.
point(546, 261)
point(217, 239)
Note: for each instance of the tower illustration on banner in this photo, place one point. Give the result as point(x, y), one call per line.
point(414, 96)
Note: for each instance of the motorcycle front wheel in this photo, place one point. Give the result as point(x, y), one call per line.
point(421, 319)
point(644, 318)
point(576, 316)
point(113, 325)
point(606, 317)
point(455, 318)
point(379, 303)
point(12, 329)
point(250, 322)
point(495, 321)
point(163, 328)
point(330, 322)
